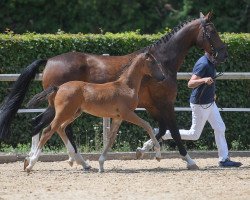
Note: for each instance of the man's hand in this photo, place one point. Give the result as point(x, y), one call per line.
point(208, 80)
point(196, 81)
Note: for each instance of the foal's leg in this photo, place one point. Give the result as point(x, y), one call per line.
point(112, 136)
point(43, 120)
point(71, 151)
point(47, 133)
point(155, 113)
point(133, 118)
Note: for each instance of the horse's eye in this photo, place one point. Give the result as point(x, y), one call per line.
point(213, 32)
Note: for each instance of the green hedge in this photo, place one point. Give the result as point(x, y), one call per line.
point(17, 51)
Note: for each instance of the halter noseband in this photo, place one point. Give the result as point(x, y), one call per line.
point(215, 51)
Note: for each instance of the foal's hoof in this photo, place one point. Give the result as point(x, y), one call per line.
point(139, 153)
point(25, 163)
point(192, 167)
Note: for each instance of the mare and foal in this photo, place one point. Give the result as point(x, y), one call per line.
point(116, 100)
point(157, 97)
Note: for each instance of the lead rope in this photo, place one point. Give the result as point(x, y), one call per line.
point(206, 107)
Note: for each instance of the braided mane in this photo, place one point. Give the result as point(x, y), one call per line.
point(169, 35)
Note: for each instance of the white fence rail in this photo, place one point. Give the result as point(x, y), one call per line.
point(180, 76)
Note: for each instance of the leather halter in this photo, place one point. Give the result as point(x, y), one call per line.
point(215, 51)
point(159, 65)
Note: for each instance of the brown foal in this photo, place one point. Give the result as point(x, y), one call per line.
point(116, 100)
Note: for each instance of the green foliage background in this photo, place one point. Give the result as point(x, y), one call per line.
point(91, 16)
point(18, 51)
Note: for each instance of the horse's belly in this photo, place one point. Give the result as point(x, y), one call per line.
point(101, 110)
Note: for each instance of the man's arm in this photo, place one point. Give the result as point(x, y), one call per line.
point(196, 81)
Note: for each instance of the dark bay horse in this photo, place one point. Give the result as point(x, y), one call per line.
point(116, 100)
point(156, 97)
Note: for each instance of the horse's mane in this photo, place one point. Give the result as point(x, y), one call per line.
point(164, 39)
point(169, 35)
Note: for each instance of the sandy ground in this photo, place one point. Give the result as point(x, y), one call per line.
point(129, 179)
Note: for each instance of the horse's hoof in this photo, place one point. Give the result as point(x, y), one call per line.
point(192, 167)
point(139, 153)
point(28, 170)
point(158, 159)
point(25, 163)
point(87, 168)
point(70, 162)
point(101, 170)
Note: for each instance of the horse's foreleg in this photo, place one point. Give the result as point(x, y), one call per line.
point(172, 125)
point(112, 136)
point(133, 118)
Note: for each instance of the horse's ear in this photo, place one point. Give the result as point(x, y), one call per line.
point(209, 16)
point(201, 15)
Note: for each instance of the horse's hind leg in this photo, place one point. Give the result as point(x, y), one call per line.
point(112, 136)
point(69, 133)
point(75, 156)
point(40, 122)
point(47, 133)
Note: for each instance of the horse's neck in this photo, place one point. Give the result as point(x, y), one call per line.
point(172, 53)
point(132, 77)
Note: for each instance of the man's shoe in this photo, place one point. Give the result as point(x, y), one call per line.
point(229, 163)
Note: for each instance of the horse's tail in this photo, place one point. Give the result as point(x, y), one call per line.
point(41, 96)
point(14, 100)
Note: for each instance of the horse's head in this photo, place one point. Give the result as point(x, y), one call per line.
point(209, 39)
point(153, 68)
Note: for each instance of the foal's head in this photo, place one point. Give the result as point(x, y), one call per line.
point(150, 66)
point(209, 40)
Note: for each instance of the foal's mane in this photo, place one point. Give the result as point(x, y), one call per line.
point(125, 67)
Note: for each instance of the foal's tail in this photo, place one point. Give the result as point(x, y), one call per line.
point(41, 96)
point(14, 100)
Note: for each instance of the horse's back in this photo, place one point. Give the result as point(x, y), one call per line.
point(79, 66)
